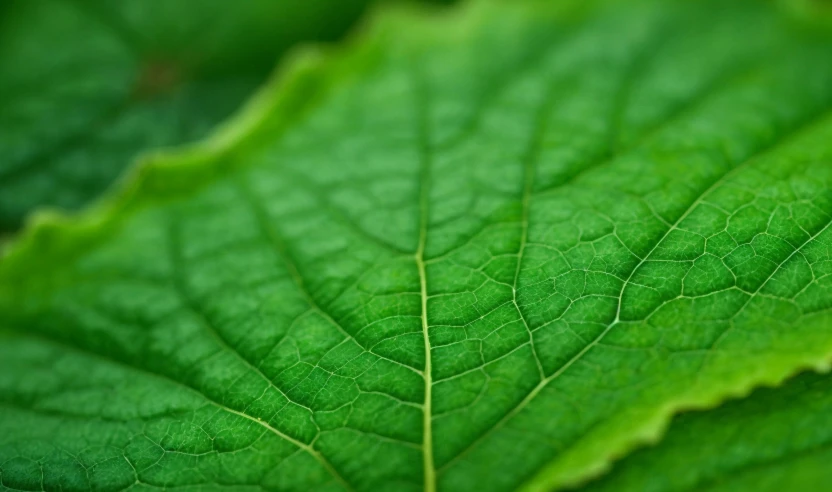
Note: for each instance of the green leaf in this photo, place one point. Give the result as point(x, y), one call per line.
point(493, 249)
point(777, 439)
point(86, 85)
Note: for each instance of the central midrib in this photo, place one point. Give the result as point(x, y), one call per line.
point(427, 434)
point(429, 470)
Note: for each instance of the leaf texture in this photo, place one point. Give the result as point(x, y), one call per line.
point(491, 250)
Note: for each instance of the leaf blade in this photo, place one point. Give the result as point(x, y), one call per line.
point(319, 324)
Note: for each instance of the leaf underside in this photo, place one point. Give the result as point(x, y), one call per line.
point(475, 253)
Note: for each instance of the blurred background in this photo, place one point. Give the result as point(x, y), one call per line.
point(87, 85)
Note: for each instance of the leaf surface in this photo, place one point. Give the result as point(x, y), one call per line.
point(87, 85)
point(777, 439)
point(491, 250)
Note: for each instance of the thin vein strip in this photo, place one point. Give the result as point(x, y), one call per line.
point(419, 256)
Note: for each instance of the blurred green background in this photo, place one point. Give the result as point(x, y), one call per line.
point(87, 85)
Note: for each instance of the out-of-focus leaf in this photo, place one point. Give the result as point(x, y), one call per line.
point(777, 439)
point(477, 252)
point(86, 85)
